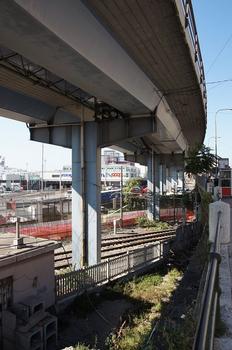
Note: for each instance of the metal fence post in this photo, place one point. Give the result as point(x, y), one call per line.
point(108, 269)
point(144, 254)
point(128, 261)
point(160, 250)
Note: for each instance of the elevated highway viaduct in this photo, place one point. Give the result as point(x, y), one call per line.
point(95, 73)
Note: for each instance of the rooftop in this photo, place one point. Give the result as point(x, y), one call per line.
point(32, 247)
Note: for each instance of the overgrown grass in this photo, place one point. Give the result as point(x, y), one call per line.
point(143, 221)
point(178, 336)
point(206, 199)
point(150, 292)
point(80, 346)
point(178, 333)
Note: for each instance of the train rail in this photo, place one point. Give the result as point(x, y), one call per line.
point(115, 246)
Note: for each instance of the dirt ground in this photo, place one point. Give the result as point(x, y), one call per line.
point(93, 328)
point(96, 316)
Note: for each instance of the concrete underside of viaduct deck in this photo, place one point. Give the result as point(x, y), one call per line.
point(92, 74)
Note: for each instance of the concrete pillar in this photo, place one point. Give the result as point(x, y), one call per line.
point(150, 203)
point(153, 183)
point(224, 209)
point(168, 180)
point(173, 174)
point(93, 193)
point(163, 182)
point(161, 178)
point(39, 211)
point(156, 163)
point(78, 232)
point(86, 242)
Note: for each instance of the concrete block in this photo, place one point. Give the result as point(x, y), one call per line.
point(214, 209)
point(11, 345)
point(34, 304)
point(51, 342)
point(49, 325)
point(31, 339)
point(38, 347)
point(33, 321)
point(21, 311)
point(8, 344)
point(8, 324)
point(217, 193)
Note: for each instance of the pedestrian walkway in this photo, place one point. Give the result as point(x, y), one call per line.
point(225, 282)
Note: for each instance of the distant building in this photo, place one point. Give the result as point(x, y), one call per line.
point(223, 163)
point(113, 166)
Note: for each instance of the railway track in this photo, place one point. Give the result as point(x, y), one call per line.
point(134, 237)
point(117, 245)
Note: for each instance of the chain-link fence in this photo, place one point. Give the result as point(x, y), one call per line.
point(49, 214)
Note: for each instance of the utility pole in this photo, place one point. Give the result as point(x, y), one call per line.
point(60, 183)
point(216, 137)
point(121, 197)
point(27, 176)
point(174, 204)
point(42, 167)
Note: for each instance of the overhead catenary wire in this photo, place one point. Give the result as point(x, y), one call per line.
point(219, 53)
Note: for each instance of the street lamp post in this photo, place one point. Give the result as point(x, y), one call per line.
point(215, 121)
point(42, 169)
point(210, 138)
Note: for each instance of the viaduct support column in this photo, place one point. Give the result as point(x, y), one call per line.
point(156, 163)
point(150, 178)
point(173, 177)
point(163, 176)
point(168, 179)
point(86, 243)
point(153, 177)
point(78, 232)
point(164, 172)
point(93, 193)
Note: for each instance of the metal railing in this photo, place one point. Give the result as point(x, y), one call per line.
point(204, 336)
point(190, 25)
point(76, 282)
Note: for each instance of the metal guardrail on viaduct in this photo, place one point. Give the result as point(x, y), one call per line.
point(190, 25)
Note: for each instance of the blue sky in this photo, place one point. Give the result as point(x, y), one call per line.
point(214, 25)
point(22, 153)
point(213, 19)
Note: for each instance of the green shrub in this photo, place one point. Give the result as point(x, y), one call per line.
point(143, 221)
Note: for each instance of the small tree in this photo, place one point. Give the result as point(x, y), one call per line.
point(132, 183)
point(133, 200)
point(200, 161)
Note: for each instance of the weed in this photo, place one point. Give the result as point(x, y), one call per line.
point(178, 335)
point(79, 347)
point(143, 221)
point(150, 292)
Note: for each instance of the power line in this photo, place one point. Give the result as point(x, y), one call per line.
point(219, 81)
point(219, 54)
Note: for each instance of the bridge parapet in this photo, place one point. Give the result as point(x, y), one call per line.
point(187, 19)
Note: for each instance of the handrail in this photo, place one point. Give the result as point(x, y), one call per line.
point(206, 323)
point(77, 281)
